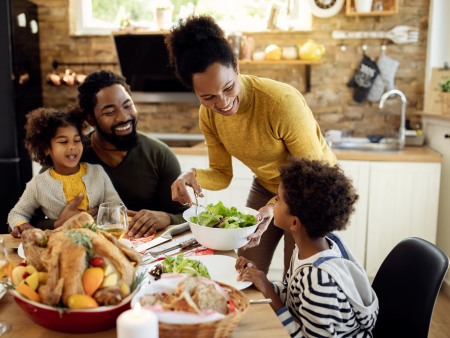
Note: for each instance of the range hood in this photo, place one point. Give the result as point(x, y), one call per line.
point(144, 62)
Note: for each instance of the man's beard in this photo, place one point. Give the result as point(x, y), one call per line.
point(126, 142)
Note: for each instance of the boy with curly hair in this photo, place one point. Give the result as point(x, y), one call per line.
point(54, 139)
point(326, 292)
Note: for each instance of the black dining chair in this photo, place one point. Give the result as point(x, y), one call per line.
point(407, 285)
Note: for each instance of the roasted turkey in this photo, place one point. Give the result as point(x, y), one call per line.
point(64, 254)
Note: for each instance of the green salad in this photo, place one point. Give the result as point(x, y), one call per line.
point(229, 217)
point(187, 266)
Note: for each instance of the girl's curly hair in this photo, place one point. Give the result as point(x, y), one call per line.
point(320, 195)
point(41, 126)
point(194, 44)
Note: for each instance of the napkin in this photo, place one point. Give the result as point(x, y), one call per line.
point(134, 242)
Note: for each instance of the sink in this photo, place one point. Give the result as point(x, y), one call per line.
point(363, 144)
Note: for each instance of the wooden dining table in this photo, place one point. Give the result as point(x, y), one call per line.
point(259, 321)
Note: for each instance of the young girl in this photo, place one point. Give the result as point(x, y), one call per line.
point(326, 292)
point(55, 138)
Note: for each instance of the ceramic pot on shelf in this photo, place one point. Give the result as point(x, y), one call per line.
point(163, 18)
point(311, 51)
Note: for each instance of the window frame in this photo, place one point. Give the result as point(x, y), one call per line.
point(81, 16)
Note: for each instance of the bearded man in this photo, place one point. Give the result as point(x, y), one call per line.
point(141, 168)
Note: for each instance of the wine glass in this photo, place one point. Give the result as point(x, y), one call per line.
point(5, 265)
point(112, 218)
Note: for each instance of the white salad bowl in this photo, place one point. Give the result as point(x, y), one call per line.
point(218, 238)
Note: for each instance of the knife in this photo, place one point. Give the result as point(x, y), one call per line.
point(166, 236)
point(182, 245)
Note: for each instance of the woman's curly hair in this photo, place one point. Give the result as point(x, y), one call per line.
point(194, 44)
point(41, 126)
point(320, 195)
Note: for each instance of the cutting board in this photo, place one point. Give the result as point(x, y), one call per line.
point(432, 97)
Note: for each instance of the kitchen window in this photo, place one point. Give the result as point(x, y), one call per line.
point(101, 17)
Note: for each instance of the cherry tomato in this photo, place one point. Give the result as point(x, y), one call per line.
point(96, 262)
point(231, 306)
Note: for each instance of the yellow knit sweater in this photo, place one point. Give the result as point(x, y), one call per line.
point(73, 185)
point(272, 123)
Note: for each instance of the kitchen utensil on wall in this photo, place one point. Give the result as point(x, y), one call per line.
point(385, 81)
point(398, 34)
point(364, 78)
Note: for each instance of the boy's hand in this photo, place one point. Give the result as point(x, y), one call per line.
point(241, 264)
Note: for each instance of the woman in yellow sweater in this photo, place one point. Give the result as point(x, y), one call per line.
point(259, 121)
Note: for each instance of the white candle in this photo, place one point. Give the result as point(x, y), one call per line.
point(137, 323)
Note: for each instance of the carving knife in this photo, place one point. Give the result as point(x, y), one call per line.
point(166, 236)
point(182, 245)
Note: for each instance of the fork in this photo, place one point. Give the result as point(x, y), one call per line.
point(399, 34)
point(202, 206)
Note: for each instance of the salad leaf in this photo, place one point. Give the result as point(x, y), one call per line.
point(187, 266)
point(230, 217)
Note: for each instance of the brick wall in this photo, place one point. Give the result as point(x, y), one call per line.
point(329, 98)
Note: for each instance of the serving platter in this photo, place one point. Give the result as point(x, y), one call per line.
point(220, 268)
point(20, 251)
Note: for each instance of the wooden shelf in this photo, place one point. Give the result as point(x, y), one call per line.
point(390, 7)
point(306, 63)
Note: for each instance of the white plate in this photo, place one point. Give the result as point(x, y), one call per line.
point(220, 268)
point(20, 251)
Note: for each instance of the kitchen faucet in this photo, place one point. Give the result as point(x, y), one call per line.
point(401, 132)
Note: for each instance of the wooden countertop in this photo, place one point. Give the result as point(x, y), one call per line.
point(434, 115)
point(409, 154)
point(259, 321)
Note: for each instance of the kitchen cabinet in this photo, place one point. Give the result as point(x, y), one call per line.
point(403, 202)
point(396, 200)
point(355, 234)
point(437, 131)
point(390, 7)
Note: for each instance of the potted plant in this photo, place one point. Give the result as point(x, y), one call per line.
point(445, 97)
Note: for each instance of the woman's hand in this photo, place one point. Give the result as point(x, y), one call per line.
point(145, 222)
point(265, 215)
point(179, 191)
point(18, 229)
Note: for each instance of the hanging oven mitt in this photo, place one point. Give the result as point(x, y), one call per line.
point(384, 82)
point(364, 78)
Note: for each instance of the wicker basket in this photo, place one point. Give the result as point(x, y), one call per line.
point(217, 329)
point(445, 103)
